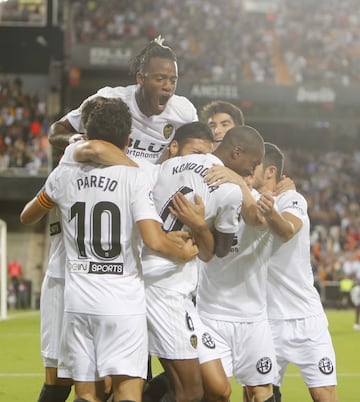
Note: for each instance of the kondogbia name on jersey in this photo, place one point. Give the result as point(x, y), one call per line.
point(89, 267)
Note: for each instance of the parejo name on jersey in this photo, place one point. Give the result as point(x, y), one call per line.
point(93, 181)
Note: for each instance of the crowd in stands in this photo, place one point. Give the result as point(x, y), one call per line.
point(329, 180)
point(23, 129)
point(291, 42)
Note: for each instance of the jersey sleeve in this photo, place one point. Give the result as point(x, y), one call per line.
point(228, 214)
point(143, 206)
point(293, 203)
point(51, 184)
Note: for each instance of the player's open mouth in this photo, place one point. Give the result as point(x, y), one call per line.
point(163, 100)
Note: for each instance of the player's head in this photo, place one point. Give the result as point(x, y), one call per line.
point(221, 116)
point(271, 168)
point(108, 119)
point(191, 138)
point(155, 69)
point(242, 149)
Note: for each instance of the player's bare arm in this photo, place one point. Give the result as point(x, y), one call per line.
point(284, 225)
point(101, 152)
point(36, 209)
point(59, 134)
point(221, 174)
point(155, 239)
point(193, 216)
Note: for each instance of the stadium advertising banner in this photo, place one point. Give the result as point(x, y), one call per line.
point(102, 56)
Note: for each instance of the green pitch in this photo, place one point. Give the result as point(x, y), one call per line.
point(21, 371)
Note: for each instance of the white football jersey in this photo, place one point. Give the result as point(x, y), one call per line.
point(290, 292)
point(186, 174)
point(233, 288)
point(99, 207)
point(149, 135)
point(57, 253)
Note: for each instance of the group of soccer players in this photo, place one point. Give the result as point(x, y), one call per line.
point(177, 238)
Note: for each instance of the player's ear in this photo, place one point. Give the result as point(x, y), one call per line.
point(173, 148)
point(139, 78)
point(270, 172)
point(237, 152)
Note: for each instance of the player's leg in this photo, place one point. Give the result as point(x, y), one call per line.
point(260, 393)
point(92, 391)
point(216, 385)
point(54, 389)
point(323, 394)
point(51, 315)
point(277, 393)
point(127, 388)
point(185, 379)
point(156, 388)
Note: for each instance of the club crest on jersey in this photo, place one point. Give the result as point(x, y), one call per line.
point(208, 341)
point(168, 130)
point(264, 365)
point(325, 366)
point(193, 341)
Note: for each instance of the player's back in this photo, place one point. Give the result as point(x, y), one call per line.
point(97, 207)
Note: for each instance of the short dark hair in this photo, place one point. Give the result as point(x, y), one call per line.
point(274, 157)
point(193, 130)
point(151, 50)
point(220, 106)
point(108, 119)
point(245, 137)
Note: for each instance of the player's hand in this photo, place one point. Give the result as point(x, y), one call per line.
point(284, 184)
point(219, 174)
point(265, 203)
point(190, 250)
point(190, 214)
point(179, 237)
point(76, 137)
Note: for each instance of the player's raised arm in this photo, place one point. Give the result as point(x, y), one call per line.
point(60, 132)
point(155, 239)
point(103, 153)
point(284, 225)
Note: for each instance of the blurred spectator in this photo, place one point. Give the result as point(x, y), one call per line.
point(23, 129)
point(355, 298)
point(15, 274)
point(295, 42)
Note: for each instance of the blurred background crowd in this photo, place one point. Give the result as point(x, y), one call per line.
point(294, 41)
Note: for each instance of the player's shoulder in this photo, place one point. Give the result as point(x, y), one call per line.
point(291, 199)
point(181, 106)
point(117, 92)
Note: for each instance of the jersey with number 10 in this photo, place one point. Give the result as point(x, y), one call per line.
point(99, 208)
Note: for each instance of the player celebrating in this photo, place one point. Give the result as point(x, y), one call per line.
point(220, 117)
point(104, 294)
point(156, 111)
point(173, 321)
point(298, 321)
